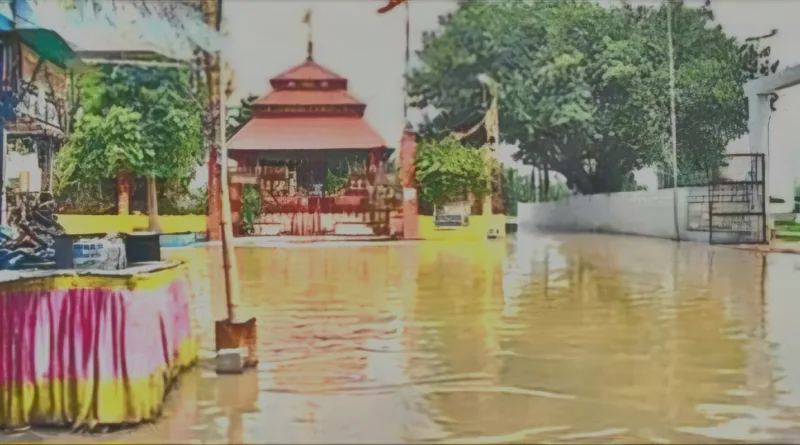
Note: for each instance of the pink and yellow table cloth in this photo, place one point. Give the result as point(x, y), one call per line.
point(92, 349)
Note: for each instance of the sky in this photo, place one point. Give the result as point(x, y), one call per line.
point(266, 37)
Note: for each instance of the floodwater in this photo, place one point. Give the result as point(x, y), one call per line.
point(540, 338)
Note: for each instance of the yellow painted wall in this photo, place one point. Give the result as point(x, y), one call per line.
point(80, 224)
point(477, 230)
point(479, 225)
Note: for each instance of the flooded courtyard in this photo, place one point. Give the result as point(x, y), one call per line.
point(539, 338)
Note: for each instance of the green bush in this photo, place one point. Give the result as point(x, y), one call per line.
point(176, 198)
point(251, 207)
point(447, 171)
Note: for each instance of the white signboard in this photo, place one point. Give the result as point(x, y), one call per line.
point(452, 215)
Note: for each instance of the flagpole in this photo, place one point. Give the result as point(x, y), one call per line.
point(408, 62)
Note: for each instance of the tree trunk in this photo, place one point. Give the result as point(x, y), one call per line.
point(546, 185)
point(533, 184)
point(123, 193)
point(540, 185)
point(154, 225)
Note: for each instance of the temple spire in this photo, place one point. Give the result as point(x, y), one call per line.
point(310, 45)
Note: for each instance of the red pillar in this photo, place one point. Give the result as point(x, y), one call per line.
point(214, 220)
point(236, 207)
point(408, 152)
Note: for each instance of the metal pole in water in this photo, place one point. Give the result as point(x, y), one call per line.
point(674, 121)
point(228, 255)
point(235, 336)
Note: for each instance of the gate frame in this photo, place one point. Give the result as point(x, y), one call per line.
point(759, 184)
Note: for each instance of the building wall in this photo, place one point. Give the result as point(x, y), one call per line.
point(49, 79)
point(645, 213)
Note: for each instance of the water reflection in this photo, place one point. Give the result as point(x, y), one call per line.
point(573, 338)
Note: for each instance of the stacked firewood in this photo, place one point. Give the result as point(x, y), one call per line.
point(32, 227)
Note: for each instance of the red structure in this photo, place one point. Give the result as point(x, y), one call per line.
point(408, 153)
point(317, 164)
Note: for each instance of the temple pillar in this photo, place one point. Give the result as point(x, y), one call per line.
point(124, 193)
point(408, 153)
point(45, 154)
point(372, 167)
point(372, 176)
point(214, 220)
point(236, 207)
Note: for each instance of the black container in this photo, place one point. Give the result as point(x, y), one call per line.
point(64, 258)
point(142, 247)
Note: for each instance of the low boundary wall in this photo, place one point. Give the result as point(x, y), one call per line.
point(644, 213)
point(82, 224)
point(477, 230)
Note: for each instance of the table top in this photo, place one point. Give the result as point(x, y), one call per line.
point(131, 270)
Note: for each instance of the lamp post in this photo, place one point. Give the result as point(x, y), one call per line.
point(673, 119)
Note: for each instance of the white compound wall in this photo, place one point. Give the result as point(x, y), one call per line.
point(644, 213)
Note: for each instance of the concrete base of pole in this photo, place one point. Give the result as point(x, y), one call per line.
point(230, 361)
point(236, 345)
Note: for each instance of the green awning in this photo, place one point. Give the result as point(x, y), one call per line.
point(49, 45)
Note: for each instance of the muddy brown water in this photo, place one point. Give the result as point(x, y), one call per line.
point(540, 338)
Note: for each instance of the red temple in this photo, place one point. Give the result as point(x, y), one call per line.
point(317, 164)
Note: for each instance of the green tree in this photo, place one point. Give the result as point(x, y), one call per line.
point(446, 171)
point(239, 116)
point(585, 88)
point(137, 121)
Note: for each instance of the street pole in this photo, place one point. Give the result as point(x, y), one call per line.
point(228, 253)
point(236, 342)
point(674, 122)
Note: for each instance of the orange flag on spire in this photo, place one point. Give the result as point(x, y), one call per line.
point(391, 5)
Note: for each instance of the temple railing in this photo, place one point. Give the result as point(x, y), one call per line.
point(303, 204)
point(243, 175)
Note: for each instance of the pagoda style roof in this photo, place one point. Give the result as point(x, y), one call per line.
point(308, 70)
point(310, 97)
point(309, 108)
point(307, 133)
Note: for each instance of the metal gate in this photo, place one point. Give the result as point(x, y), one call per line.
point(737, 206)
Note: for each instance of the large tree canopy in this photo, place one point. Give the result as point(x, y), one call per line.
point(585, 88)
point(239, 116)
point(140, 121)
point(136, 121)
